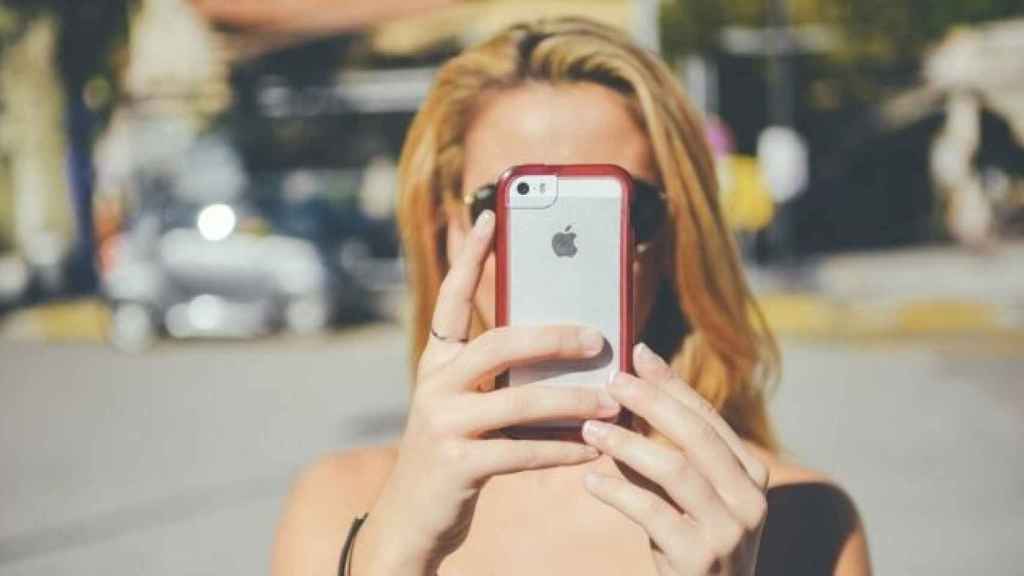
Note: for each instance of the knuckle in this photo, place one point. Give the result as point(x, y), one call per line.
point(568, 341)
point(488, 342)
point(574, 453)
point(434, 423)
point(704, 560)
point(493, 346)
point(705, 432)
point(509, 340)
point(758, 510)
point(676, 468)
point(520, 402)
point(552, 341)
point(564, 453)
point(646, 395)
point(448, 282)
point(729, 539)
point(759, 474)
point(582, 400)
point(531, 457)
point(703, 491)
point(452, 451)
point(652, 507)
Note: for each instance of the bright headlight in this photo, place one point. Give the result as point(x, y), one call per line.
point(216, 222)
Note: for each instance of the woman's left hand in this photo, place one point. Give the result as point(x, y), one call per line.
point(699, 494)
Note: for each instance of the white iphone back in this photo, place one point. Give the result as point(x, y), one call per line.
point(563, 260)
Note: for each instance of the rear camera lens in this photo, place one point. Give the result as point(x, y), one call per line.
point(523, 188)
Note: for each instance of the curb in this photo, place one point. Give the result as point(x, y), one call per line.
point(811, 315)
point(790, 314)
point(76, 321)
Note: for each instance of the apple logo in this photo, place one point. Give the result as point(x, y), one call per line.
point(564, 243)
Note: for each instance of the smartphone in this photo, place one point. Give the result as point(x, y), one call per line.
point(564, 255)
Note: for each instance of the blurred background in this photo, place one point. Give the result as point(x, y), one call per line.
point(201, 288)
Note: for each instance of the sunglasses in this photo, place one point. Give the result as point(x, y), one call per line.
point(647, 208)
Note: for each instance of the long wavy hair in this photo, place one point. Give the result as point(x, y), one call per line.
point(705, 319)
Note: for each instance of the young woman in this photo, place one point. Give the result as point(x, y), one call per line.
point(697, 487)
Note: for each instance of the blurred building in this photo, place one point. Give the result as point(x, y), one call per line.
point(310, 101)
point(36, 221)
point(971, 72)
point(263, 138)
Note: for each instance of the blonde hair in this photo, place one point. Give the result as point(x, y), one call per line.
point(729, 356)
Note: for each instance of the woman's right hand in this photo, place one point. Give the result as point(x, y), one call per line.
point(452, 445)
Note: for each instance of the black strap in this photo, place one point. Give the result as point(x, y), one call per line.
point(344, 562)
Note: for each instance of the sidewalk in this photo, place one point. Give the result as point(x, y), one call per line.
point(919, 292)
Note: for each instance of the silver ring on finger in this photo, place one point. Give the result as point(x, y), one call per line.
point(448, 339)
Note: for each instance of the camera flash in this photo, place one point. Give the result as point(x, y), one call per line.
point(543, 187)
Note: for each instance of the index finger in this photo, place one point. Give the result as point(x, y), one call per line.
point(454, 307)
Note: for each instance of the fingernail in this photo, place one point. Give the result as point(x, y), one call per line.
point(595, 430)
point(483, 223)
point(645, 353)
point(592, 341)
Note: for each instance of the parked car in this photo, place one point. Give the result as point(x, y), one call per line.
point(199, 258)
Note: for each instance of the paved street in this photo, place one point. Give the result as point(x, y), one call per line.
point(176, 461)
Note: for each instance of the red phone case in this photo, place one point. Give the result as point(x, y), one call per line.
point(627, 303)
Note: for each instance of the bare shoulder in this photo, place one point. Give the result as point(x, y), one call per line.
point(361, 471)
point(319, 509)
point(783, 470)
point(812, 521)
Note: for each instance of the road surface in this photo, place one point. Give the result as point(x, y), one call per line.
point(176, 461)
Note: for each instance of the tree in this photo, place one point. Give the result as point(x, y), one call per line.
point(88, 35)
point(872, 30)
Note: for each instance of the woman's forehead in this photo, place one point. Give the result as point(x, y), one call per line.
point(579, 123)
